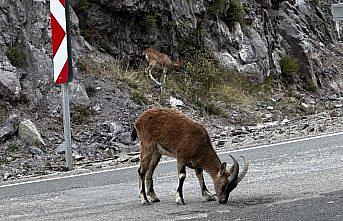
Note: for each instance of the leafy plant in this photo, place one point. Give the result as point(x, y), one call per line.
point(83, 5)
point(310, 86)
point(210, 108)
point(12, 146)
point(235, 13)
point(289, 67)
point(203, 80)
point(215, 8)
point(15, 55)
point(149, 21)
point(82, 115)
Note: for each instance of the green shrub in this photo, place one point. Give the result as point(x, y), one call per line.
point(88, 35)
point(310, 86)
point(235, 13)
point(316, 2)
point(215, 8)
point(202, 80)
point(12, 146)
point(210, 108)
point(82, 115)
point(83, 5)
point(289, 66)
point(16, 56)
point(3, 113)
point(149, 21)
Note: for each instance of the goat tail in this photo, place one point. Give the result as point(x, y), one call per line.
point(134, 134)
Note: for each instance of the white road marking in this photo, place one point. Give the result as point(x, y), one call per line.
point(136, 166)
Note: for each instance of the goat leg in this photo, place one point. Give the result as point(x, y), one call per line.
point(204, 191)
point(181, 169)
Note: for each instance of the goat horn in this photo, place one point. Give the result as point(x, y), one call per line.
point(234, 170)
point(244, 171)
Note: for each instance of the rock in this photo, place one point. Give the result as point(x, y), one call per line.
point(6, 176)
point(61, 148)
point(9, 81)
point(134, 159)
point(270, 108)
point(125, 138)
point(29, 133)
point(97, 108)
point(332, 97)
point(174, 102)
point(226, 60)
point(305, 107)
point(238, 139)
point(77, 156)
point(338, 105)
point(220, 142)
point(10, 128)
point(78, 94)
point(267, 115)
point(35, 151)
point(238, 131)
point(284, 121)
point(114, 128)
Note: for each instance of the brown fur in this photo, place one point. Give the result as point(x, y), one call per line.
point(155, 58)
point(169, 132)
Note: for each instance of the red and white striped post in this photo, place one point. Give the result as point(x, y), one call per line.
point(62, 62)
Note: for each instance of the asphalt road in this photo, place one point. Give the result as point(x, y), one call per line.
point(298, 180)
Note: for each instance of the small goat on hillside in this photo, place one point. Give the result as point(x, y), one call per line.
point(169, 132)
point(155, 58)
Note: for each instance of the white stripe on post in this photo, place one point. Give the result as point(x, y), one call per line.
point(58, 10)
point(60, 58)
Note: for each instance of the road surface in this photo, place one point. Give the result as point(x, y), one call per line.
point(297, 180)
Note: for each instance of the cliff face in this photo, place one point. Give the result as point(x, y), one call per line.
point(251, 38)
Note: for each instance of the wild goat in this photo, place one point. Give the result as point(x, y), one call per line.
point(169, 132)
point(155, 58)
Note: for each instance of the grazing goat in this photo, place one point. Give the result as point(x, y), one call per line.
point(169, 132)
point(155, 58)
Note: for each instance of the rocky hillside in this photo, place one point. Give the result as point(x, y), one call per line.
point(250, 63)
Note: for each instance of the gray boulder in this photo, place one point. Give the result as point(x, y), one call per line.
point(9, 81)
point(10, 128)
point(78, 94)
point(29, 133)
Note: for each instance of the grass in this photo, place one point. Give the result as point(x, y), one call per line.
point(139, 97)
point(201, 81)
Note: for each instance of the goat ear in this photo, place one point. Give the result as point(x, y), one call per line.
point(222, 169)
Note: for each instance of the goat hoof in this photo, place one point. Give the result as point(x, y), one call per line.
point(145, 203)
point(208, 196)
point(155, 200)
point(180, 201)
